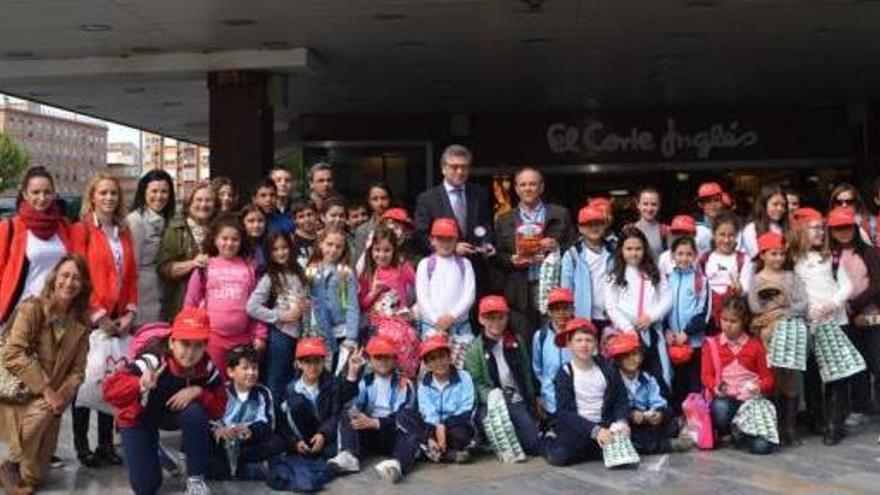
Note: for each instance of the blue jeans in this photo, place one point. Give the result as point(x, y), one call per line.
point(723, 410)
point(398, 439)
point(280, 349)
point(141, 446)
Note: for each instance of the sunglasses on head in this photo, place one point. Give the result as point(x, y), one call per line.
point(845, 202)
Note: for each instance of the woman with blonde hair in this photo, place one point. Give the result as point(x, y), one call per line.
point(103, 239)
point(45, 348)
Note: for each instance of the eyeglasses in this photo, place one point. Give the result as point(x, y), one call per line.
point(845, 202)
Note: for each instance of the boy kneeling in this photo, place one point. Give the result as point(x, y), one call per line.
point(381, 418)
point(649, 419)
point(591, 399)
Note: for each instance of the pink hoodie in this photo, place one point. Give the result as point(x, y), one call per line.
point(224, 287)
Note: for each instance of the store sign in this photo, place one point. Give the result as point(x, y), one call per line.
point(595, 138)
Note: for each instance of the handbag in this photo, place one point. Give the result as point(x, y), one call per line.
point(12, 389)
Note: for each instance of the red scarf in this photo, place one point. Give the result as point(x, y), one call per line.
point(43, 224)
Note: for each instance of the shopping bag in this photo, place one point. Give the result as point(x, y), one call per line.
point(619, 452)
point(698, 421)
point(499, 429)
point(106, 355)
point(757, 417)
point(549, 276)
point(788, 344)
point(836, 356)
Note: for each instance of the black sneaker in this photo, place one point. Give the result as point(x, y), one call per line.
point(88, 459)
point(56, 462)
point(108, 456)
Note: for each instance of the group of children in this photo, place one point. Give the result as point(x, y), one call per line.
point(332, 356)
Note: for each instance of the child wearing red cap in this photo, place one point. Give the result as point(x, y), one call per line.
point(862, 265)
point(586, 265)
point(592, 403)
point(310, 408)
point(638, 300)
point(778, 295)
point(223, 288)
point(728, 271)
point(770, 215)
point(828, 289)
point(709, 199)
point(379, 416)
point(499, 359)
point(734, 371)
point(446, 289)
point(172, 385)
point(649, 418)
point(447, 404)
point(681, 226)
point(546, 356)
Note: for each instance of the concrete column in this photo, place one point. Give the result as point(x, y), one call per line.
point(240, 127)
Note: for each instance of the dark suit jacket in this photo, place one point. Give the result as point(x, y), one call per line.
point(557, 224)
point(434, 203)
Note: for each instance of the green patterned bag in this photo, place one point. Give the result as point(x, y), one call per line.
point(500, 430)
point(757, 417)
point(549, 277)
point(836, 356)
point(620, 452)
point(788, 345)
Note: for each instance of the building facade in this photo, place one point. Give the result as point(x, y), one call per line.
point(71, 148)
point(124, 161)
point(187, 163)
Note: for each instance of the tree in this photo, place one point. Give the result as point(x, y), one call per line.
point(13, 162)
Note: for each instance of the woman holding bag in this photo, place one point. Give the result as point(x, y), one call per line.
point(45, 349)
point(31, 242)
point(102, 238)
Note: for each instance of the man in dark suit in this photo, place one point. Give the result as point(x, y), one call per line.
point(520, 272)
point(468, 204)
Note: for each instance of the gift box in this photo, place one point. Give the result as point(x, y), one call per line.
point(757, 417)
point(620, 452)
point(788, 344)
point(549, 277)
point(836, 356)
point(528, 239)
point(499, 429)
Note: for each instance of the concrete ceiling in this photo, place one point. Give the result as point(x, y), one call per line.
point(122, 59)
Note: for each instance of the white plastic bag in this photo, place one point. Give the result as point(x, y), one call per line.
point(106, 355)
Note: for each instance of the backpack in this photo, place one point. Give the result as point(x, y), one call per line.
point(292, 473)
point(144, 334)
point(704, 259)
point(432, 265)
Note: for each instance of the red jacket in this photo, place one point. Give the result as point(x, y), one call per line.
point(13, 265)
point(752, 357)
point(110, 295)
point(122, 390)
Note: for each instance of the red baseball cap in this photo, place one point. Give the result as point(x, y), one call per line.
point(191, 324)
point(709, 189)
point(726, 200)
point(842, 216)
point(806, 214)
point(770, 240)
point(560, 295)
point(684, 224)
point(561, 339)
point(433, 343)
point(601, 203)
point(493, 304)
point(444, 227)
point(379, 346)
point(622, 344)
point(311, 346)
point(398, 215)
point(591, 213)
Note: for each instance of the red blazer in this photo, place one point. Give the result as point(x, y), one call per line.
point(13, 245)
point(110, 295)
point(752, 357)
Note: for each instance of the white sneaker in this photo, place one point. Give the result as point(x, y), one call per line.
point(389, 471)
point(195, 485)
point(345, 462)
point(854, 420)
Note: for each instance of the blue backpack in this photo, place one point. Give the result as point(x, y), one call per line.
point(291, 473)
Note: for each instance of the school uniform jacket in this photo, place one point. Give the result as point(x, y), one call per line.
point(453, 405)
point(122, 389)
point(325, 413)
point(362, 394)
point(615, 403)
point(257, 411)
point(113, 292)
point(480, 363)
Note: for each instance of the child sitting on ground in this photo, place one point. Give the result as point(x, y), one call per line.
point(311, 408)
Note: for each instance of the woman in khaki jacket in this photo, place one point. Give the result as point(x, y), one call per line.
point(45, 348)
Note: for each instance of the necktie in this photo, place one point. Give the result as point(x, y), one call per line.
point(458, 208)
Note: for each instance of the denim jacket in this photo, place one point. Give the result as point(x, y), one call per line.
point(334, 296)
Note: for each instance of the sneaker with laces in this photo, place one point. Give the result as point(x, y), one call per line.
point(389, 471)
point(195, 485)
point(345, 462)
point(56, 462)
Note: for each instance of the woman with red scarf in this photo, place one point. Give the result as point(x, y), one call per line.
point(31, 242)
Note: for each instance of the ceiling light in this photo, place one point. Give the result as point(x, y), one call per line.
point(618, 192)
point(389, 17)
point(95, 28)
point(239, 22)
point(20, 55)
